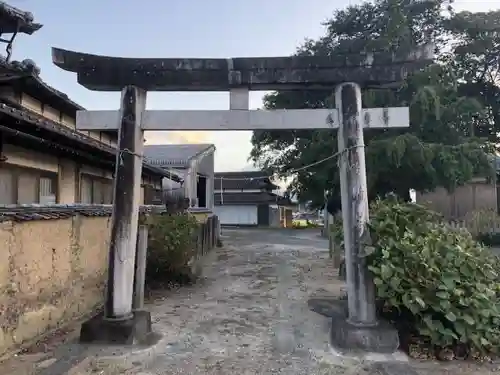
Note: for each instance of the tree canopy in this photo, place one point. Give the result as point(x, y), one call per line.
point(454, 103)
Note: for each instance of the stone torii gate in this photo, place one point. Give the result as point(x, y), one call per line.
point(347, 74)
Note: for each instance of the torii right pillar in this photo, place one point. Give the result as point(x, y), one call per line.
point(361, 331)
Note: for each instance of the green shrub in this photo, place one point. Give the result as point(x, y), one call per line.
point(304, 224)
point(337, 231)
point(433, 281)
point(171, 247)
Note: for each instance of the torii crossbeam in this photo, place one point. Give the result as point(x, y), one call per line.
point(243, 119)
point(346, 74)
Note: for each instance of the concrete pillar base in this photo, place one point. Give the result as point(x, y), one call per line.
point(348, 338)
point(135, 330)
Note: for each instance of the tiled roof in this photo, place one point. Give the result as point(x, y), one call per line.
point(30, 212)
point(13, 17)
point(243, 180)
point(175, 156)
point(29, 73)
point(63, 131)
point(244, 198)
point(242, 174)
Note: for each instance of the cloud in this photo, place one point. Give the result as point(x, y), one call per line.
point(177, 137)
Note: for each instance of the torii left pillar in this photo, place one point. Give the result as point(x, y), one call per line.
point(119, 324)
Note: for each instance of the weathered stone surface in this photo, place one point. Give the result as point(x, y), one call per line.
point(126, 193)
point(121, 332)
point(329, 307)
point(349, 338)
point(106, 73)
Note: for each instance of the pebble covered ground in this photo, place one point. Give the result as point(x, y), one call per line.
point(249, 314)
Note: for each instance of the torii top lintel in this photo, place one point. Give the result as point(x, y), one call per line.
point(106, 73)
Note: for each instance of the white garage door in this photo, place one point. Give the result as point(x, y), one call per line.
point(236, 215)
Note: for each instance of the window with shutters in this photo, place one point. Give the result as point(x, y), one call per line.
point(47, 191)
point(27, 187)
point(7, 187)
point(19, 185)
point(95, 190)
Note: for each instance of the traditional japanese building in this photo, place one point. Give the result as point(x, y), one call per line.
point(247, 198)
point(194, 163)
point(43, 158)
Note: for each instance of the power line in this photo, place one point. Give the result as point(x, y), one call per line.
point(293, 171)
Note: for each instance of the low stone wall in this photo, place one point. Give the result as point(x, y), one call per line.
point(51, 272)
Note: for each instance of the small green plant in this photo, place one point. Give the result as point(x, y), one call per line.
point(304, 224)
point(337, 231)
point(171, 246)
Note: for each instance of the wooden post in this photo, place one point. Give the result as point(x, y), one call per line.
point(219, 233)
point(200, 240)
point(360, 286)
point(212, 232)
point(206, 236)
point(118, 304)
point(140, 268)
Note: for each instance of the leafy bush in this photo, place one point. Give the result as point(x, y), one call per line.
point(337, 231)
point(171, 247)
point(433, 281)
point(304, 224)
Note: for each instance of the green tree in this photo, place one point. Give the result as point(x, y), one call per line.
point(475, 58)
point(442, 146)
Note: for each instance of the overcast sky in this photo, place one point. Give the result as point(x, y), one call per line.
point(177, 28)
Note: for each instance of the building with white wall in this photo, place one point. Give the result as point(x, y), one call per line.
point(194, 163)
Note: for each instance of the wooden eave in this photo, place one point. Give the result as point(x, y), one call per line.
point(34, 131)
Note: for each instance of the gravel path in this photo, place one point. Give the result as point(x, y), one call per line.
point(250, 314)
